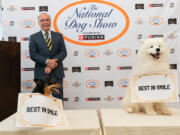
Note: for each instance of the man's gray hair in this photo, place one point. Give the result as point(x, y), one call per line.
point(45, 13)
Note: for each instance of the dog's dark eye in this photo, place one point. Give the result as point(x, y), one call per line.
point(151, 46)
point(159, 46)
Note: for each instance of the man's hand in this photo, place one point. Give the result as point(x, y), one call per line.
point(47, 70)
point(52, 63)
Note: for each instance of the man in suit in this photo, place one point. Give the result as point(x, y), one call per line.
point(47, 50)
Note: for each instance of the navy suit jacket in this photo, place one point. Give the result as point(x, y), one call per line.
point(39, 53)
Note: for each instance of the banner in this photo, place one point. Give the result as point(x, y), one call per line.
point(37, 110)
point(157, 87)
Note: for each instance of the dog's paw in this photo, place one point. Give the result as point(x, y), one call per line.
point(167, 112)
point(129, 110)
point(151, 113)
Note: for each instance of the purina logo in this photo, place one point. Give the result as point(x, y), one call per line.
point(25, 54)
point(76, 53)
point(28, 23)
point(108, 67)
point(109, 99)
point(171, 50)
point(139, 6)
point(76, 69)
point(172, 4)
point(92, 84)
point(123, 83)
point(155, 5)
point(91, 37)
point(124, 67)
point(108, 52)
point(93, 99)
point(12, 39)
point(43, 8)
point(92, 68)
point(92, 53)
point(139, 21)
point(91, 15)
point(28, 84)
point(173, 66)
point(27, 8)
point(156, 36)
point(76, 84)
point(156, 20)
point(120, 98)
point(76, 99)
point(108, 83)
point(11, 23)
point(25, 39)
point(172, 36)
point(65, 84)
point(124, 52)
point(27, 69)
point(172, 21)
point(11, 8)
point(139, 36)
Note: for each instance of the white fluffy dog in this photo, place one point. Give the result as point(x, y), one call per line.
point(151, 58)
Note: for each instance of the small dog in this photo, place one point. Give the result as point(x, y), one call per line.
point(151, 58)
point(46, 86)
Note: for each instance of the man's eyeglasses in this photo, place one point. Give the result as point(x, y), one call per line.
point(43, 20)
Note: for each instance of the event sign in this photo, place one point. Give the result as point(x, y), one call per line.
point(92, 22)
point(157, 87)
point(37, 110)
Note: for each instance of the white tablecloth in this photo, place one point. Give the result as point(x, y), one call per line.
point(81, 122)
point(118, 122)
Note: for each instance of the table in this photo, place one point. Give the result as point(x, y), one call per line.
point(118, 122)
point(81, 122)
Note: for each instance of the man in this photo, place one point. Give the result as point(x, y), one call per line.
point(47, 50)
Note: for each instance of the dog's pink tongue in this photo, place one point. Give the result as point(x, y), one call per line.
point(157, 56)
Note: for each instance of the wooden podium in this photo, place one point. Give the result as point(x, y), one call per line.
point(9, 77)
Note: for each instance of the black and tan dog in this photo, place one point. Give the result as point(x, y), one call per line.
point(46, 86)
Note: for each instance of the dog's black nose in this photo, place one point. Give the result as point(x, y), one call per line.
point(157, 49)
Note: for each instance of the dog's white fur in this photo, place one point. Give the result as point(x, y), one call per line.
point(147, 64)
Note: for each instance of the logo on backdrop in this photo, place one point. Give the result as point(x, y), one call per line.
point(123, 83)
point(25, 39)
point(172, 21)
point(124, 52)
point(11, 8)
point(155, 5)
point(27, 8)
point(25, 54)
point(92, 53)
point(108, 83)
point(65, 84)
point(93, 99)
point(156, 20)
point(43, 8)
point(28, 84)
point(156, 36)
point(139, 6)
point(87, 22)
point(76, 84)
point(76, 69)
point(92, 84)
point(28, 23)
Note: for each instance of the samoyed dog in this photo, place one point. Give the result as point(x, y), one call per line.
point(151, 58)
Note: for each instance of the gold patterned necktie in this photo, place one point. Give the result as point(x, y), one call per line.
point(48, 41)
